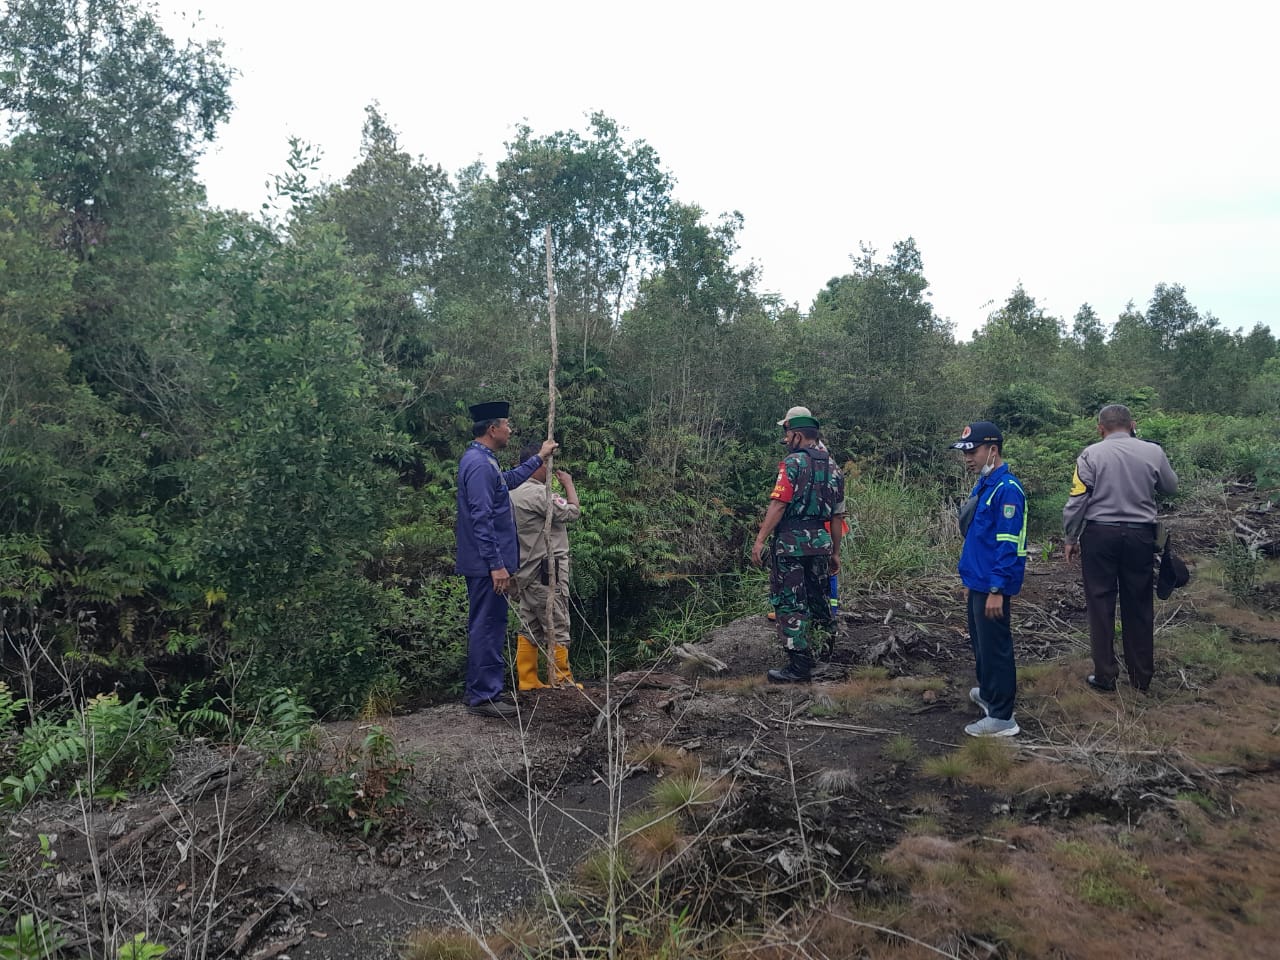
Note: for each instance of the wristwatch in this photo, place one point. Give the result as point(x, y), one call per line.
point(995, 591)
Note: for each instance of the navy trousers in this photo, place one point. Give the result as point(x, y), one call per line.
point(486, 641)
point(993, 654)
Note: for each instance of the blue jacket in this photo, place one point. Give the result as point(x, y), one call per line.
point(995, 546)
point(486, 530)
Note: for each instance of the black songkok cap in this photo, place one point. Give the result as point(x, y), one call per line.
point(494, 410)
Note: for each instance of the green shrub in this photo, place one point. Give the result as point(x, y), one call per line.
point(9, 707)
point(1240, 568)
point(1025, 408)
point(427, 634)
point(324, 642)
point(366, 788)
point(31, 939)
point(895, 532)
point(1226, 447)
point(106, 746)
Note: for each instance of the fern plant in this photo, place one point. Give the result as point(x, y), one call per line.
point(285, 725)
point(9, 707)
point(48, 752)
point(106, 746)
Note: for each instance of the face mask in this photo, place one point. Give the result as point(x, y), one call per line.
point(990, 464)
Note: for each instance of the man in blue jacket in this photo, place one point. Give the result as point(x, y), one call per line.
point(992, 563)
point(488, 552)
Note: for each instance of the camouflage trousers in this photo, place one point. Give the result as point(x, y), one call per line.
point(798, 593)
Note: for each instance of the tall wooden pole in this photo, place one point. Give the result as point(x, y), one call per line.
point(552, 572)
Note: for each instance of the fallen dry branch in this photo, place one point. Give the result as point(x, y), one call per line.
point(848, 727)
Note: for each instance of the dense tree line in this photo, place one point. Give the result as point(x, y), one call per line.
point(227, 441)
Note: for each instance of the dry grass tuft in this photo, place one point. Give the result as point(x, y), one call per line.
point(653, 843)
point(992, 758)
point(919, 684)
point(596, 869)
point(684, 791)
point(1106, 876)
point(950, 766)
point(1045, 896)
point(900, 749)
point(521, 936)
point(925, 825)
point(735, 686)
point(834, 783)
point(1232, 722)
point(1037, 776)
point(929, 803)
point(443, 944)
point(662, 758)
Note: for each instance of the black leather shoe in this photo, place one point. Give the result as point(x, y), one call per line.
point(1097, 684)
point(497, 709)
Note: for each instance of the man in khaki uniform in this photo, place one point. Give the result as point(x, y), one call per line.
point(1110, 521)
point(529, 504)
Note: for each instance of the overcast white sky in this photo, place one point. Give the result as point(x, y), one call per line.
point(1089, 150)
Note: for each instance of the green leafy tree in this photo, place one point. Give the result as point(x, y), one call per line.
point(873, 349)
point(393, 211)
point(76, 533)
point(1019, 343)
point(107, 107)
point(606, 201)
point(286, 498)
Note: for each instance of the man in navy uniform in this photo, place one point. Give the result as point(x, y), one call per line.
point(993, 562)
point(488, 552)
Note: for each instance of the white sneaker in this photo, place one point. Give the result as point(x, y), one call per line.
point(991, 727)
point(975, 694)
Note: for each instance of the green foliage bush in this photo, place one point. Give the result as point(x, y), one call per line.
point(427, 635)
point(32, 939)
point(1240, 567)
point(1025, 408)
point(366, 788)
point(896, 532)
point(1045, 464)
point(10, 707)
point(105, 747)
point(1231, 447)
point(325, 641)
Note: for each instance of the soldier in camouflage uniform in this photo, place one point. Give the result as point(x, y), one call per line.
point(805, 548)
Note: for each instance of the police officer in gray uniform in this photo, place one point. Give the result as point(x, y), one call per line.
point(1110, 521)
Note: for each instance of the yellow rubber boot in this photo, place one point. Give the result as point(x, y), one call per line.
point(563, 674)
point(527, 664)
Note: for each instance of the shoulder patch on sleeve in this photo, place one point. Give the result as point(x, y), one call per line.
point(1077, 485)
point(1009, 511)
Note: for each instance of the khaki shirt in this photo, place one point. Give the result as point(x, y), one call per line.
point(529, 505)
point(1116, 481)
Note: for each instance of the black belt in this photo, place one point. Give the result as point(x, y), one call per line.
point(1126, 526)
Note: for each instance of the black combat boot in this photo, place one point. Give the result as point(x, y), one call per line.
point(798, 669)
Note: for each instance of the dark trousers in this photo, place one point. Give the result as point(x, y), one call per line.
point(1119, 561)
point(486, 641)
point(993, 656)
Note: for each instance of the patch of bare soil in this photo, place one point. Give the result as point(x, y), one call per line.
point(824, 780)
